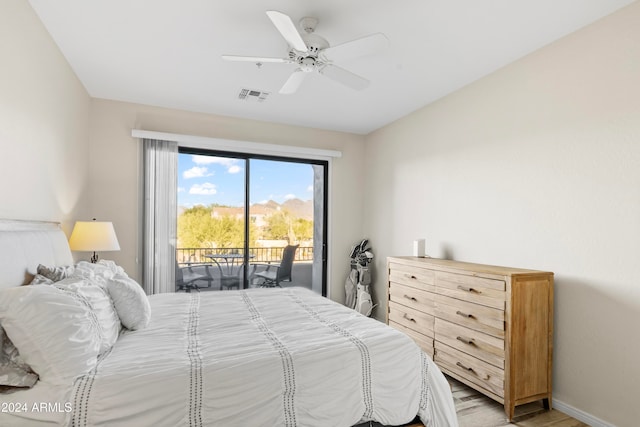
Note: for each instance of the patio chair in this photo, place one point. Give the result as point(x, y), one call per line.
point(274, 274)
point(186, 278)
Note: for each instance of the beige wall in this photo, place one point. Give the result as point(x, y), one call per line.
point(535, 166)
point(44, 116)
point(115, 160)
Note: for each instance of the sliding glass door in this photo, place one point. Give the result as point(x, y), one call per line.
point(236, 215)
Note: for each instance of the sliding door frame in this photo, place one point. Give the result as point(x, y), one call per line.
point(247, 185)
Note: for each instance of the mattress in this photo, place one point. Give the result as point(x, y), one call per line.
point(256, 357)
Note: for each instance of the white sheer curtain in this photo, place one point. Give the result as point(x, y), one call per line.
point(160, 210)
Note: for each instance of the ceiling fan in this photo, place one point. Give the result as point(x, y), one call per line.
point(312, 53)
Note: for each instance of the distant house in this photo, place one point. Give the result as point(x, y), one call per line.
point(219, 212)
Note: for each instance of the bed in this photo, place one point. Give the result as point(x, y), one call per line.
point(256, 357)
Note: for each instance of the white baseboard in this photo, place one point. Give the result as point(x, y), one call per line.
point(579, 414)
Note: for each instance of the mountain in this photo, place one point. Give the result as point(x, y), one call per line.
point(296, 207)
point(299, 208)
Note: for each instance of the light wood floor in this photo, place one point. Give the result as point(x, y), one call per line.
point(477, 410)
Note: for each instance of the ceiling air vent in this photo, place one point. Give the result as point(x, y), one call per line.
point(252, 95)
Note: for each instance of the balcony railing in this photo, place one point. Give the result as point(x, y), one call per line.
point(188, 256)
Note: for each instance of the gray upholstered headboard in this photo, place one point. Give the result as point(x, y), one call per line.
point(25, 244)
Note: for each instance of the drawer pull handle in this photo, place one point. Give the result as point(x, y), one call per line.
point(468, 289)
point(486, 378)
point(466, 340)
point(459, 313)
point(410, 298)
point(464, 367)
point(410, 319)
point(412, 277)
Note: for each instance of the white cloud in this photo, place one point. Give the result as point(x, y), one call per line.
point(206, 189)
point(231, 164)
point(181, 190)
point(310, 188)
point(290, 196)
point(196, 172)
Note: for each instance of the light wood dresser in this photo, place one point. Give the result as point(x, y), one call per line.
point(489, 327)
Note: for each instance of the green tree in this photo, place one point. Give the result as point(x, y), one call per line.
point(197, 228)
point(193, 227)
point(303, 228)
point(282, 226)
point(278, 225)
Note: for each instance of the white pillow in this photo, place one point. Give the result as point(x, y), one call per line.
point(39, 279)
point(101, 304)
point(130, 300)
point(55, 333)
point(111, 265)
point(96, 273)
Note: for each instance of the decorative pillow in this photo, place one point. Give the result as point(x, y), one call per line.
point(131, 302)
point(13, 372)
point(102, 305)
point(55, 273)
point(55, 333)
point(14, 376)
point(10, 353)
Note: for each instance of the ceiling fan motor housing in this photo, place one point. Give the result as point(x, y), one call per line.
point(314, 44)
point(308, 61)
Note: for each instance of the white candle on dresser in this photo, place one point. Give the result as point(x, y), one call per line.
point(418, 248)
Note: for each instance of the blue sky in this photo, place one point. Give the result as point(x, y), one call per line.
point(206, 179)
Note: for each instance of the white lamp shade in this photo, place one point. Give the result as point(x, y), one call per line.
point(93, 236)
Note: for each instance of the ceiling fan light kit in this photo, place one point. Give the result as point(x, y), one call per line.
point(312, 53)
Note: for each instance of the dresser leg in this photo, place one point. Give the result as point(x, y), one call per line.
point(546, 403)
point(509, 410)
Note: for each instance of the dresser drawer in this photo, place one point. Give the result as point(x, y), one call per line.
point(410, 318)
point(479, 290)
point(425, 342)
point(475, 316)
point(412, 297)
point(415, 277)
point(478, 372)
point(480, 345)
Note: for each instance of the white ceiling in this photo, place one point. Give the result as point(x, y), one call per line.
point(167, 52)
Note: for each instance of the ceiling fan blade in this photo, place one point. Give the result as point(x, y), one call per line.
point(293, 82)
point(344, 77)
point(285, 26)
point(366, 45)
point(254, 59)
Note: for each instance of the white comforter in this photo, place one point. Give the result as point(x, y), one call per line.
point(260, 357)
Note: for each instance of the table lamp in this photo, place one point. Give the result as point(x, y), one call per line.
point(93, 236)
